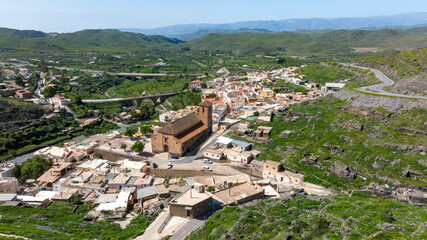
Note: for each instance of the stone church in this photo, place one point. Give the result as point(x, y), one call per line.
point(185, 134)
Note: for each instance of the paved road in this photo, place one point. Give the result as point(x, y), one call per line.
point(187, 229)
point(378, 88)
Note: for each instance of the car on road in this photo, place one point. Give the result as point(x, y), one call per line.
point(206, 168)
point(207, 161)
point(169, 166)
point(174, 157)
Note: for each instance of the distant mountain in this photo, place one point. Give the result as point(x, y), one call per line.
point(85, 40)
point(408, 19)
point(328, 42)
point(202, 33)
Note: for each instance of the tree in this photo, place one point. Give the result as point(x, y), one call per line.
point(33, 168)
point(49, 92)
point(130, 132)
point(280, 60)
point(204, 85)
point(138, 146)
point(123, 146)
point(16, 173)
point(19, 80)
point(145, 129)
point(256, 114)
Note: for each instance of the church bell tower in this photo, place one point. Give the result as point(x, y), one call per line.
point(205, 114)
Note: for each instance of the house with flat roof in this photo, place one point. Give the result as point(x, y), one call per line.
point(8, 185)
point(192, 203)
point(275, 171)
point(132, 167)
point(240, 146)
point(216, 154)
point(262, 133)
point(238, 194)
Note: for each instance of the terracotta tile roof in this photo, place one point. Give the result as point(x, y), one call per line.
point(192, 132)
point(178, 126)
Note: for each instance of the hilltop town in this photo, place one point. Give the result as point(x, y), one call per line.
point(194, 163)
point(214, 134)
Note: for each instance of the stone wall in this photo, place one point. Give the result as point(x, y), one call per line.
point(116, 156)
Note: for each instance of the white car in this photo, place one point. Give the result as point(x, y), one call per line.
point(207, 161)
point(206, 168)
point(169, 166)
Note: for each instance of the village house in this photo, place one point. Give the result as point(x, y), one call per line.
point(22, 93)
point(9, 185)
point(213, 154)
point(275, 171)
point(193, 202)
point(51, 176)
point(184, 134)
point(238, 194)
point(332, 86)
point(195, 84)
point(262, 133)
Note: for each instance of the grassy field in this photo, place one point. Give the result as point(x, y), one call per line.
point(59, 222)
point(341, 217)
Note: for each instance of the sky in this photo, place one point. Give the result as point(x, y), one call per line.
point(74, 15)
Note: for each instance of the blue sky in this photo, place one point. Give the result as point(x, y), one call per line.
point(73, 15)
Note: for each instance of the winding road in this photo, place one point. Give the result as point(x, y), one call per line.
point(378, 88)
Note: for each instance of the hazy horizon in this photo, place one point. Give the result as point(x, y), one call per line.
point(67, 16)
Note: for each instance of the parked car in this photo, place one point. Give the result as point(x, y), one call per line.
point(155, 165)
point(169, 166)
point(174, 157)
point(207, 161)
point(206, 168)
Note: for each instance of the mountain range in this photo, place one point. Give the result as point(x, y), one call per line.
point(245, 41)
point(367, 23)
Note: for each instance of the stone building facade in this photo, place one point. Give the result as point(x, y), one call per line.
point(185, 134)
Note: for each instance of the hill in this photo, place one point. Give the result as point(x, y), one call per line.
point(330, 42)
point(87, 40)
point(399, 20)
point(16, 113)
point(202, 33)
point(354, 217)
point(408, 69)
point(389, 143)
point(7, 32)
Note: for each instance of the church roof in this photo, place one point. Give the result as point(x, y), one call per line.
point(178, 126)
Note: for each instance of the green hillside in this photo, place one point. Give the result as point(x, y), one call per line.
point(88, 40)
point(7, 32)
point(408, 68)
point(354, 217)
point(321, 126)
point(331, 42)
